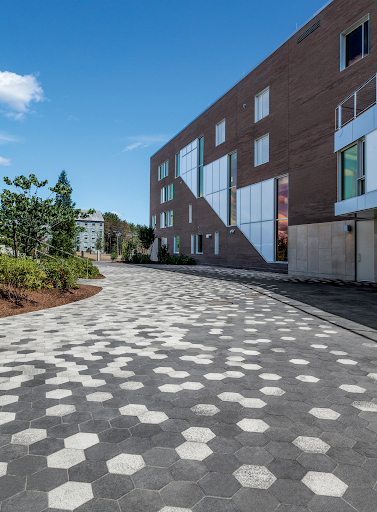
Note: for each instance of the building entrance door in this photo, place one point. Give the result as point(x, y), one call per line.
point(365, 250)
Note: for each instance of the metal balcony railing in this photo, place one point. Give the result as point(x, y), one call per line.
point(358, 102)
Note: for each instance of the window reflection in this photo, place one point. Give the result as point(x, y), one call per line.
point(282, 219)
point(349, 172)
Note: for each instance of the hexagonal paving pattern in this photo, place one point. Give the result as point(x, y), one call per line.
point(164, 403)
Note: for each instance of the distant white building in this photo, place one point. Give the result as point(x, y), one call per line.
point(93, 228)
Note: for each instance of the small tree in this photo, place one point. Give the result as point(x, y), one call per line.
point(99, 242)
point(113, 254)
point(146, 236)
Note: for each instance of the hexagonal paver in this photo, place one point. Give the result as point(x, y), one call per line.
point(205, 409)
point(178, 375)
point(133, 409)
point(8, 399)
point(365, 406)
point(175, 509)
point(29, 436)
point(250, 425)
point(81, 441)
point(234, 375)
point(350, 362)
point(252, 403)
point(125, 464)
point(272, 391)
point(352, 389)
point(70, 495)
point(194, 386)
point(311, 444)
point(324, 484)
point(65, 458)
point(3, 468)
point(257, 477)
point(152, 417)
point(6, 417)
point(198, 434)
point(132, 386)
point(57, 394)
point(60, 410)
point(193, 451)
point(214, 376)
point(99, 397)
point(164, 369)
point(269, 376)
point(323, 413)
point(307, 378)
point(170, 388)
point(299, 361)
point(230, 397)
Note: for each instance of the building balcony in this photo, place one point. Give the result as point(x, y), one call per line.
point(361, 100)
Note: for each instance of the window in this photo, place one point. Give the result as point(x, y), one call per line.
point(163, 220)
point(200, 166)
point(261, 150)
point(163, 170)
point(192, 244)
point(232, 189)
point(262, 104)
point(216, 242)
point(190, 213)
point(93, 224)
point(93, 245)
point(93, 230)
point(170, 192)
point(177, 165)
point(220, 132)
point(176, 245)
point(352, 170)
point(164, 194)
point(170, 218)
point(354, 42)
point(282, 219)
point(154, 221)
point(85, 244)
point(199, 244)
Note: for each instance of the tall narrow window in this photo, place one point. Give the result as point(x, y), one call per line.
point(170, 192)
point(176, 245)
point(190, 213)
point(163, 170)
point(192, 244)
point(162, 220)
point(216, 242)
point(261, 150)
point(177, 165)
point(170, 218)
point(361, 179)
point(262, 104)
point(349, 172)
point(164, 195)
point(199, 244)
point(200, 167)
point(232, 189)
point(282, 219)
point(355, 42)
point(154, 221)
point(220, 132)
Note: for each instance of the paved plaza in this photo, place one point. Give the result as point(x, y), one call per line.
point(178, 392)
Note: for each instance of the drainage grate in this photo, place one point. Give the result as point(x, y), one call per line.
point(308, 31)
point(218, 303)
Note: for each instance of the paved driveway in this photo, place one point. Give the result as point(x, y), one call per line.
point(152, 396)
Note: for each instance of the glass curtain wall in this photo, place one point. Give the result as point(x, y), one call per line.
point(282, 219)
point(200, 167)
point(232, 189)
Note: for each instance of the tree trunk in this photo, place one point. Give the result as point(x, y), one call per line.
point(15, 241)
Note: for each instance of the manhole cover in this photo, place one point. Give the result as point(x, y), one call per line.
point(218, 303)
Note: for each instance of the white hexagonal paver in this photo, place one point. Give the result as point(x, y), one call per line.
point(99, 396)
point(125, 464)
point(57, 394)
point(251, 425)
point(65, 458)
point(164, 369)
point(350, 362)
point(70, 495)
point(93, 383)
point(230, 397)
point(251, 366)
point(252, 403)
point(214, 376)
point(170, 388)
point(205, 409)
point(175, 509)
point(324, 484)
point(8, 399)
point(193, 451)
point(153, 417)
point(299, 361)
point(198, 434)
point(179, 375)
point(3, 468)
point(133, 409)
point(272, 391)
point(132, 386)
point(81, 441)
point(6, 417)
point(307, 378)
point(29, 436)
point(60, 410)
point(311, 444)
point(256, 477)
point(365, 406)
point(352, 389)
point(323, 413)
point(234, 375)
point(372, 376)
point(269, 376)
point(192, 386)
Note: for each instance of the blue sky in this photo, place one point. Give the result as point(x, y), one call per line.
point(96, 87)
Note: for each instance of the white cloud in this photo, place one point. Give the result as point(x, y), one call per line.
point(131, 147)
point(72, 118)
point(119, 214)
point(4, 161)
point(17, 92)
point(6, 139)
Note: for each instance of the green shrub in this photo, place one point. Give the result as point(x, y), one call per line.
point(138, 257)
point(61, 274)
point(113, 254)
point(181, 259)
point(80, 266)
point(163, 254)
point(20, 275)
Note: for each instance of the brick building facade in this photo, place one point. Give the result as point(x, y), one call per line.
point(287, 157)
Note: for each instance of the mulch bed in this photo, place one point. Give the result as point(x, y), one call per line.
point(98, 276)
point(43, 299)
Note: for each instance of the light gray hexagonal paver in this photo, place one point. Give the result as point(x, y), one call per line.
point(252, 403)
point(251, 425)
point(153, 417)
point(70, 495)
point(352, 389)
point(193, 451)
point(198, 434)
point(133, 409)
point(324, 484)
point(230, 397)
point(307, 378)
point(269, 376)
point(365, 406)
point(273, 391)
point(170, 388)
point(65, 458)
point(57, 394)
point(6, 417)
point(3, 468)
point(132, 386)
point(125, 464)
point(175, 509)
point(29, 436)
point(323, 413)
point(192, 386)
point(214, 376)
point(99, 396)
point(311, 444)
point(256, 477)
point(205, 409)
point(8, 399)
point(60, 410)
point(299, 361)
point(81, 441)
